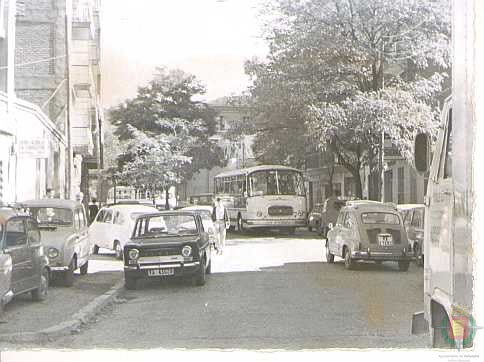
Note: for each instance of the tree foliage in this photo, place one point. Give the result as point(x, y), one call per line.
point(343, 71)
point(165, 132)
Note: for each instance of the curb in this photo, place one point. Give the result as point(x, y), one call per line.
point(70, 326)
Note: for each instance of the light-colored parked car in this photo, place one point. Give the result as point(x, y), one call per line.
point(414, 219)
point(206, 215)
point(23, 265)
point(369, 230)
point(64, 230)
point(113, 226)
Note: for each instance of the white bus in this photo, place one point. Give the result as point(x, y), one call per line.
point(263, 197)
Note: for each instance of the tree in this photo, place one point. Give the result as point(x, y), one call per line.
point(166, 131)
point(343, 71)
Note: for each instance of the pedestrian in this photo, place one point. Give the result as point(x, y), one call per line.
point(93, 209)
point(222, 223)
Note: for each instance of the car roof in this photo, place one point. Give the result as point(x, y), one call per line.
point(197, 208)
point(409, 206)
point(256, 168)
point(6, 213)
point(54, 203)
point(171, 212)
point(130, 207)
point(369, 205)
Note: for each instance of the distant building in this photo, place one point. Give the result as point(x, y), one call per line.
point(237, 150)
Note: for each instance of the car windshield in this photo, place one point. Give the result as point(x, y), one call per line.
point(52, 215)
point(380, 218)
point(166, 225)
point(276, 182)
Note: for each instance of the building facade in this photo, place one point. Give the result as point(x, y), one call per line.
point(57, 50)
point(237, 150)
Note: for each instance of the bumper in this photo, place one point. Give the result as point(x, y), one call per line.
point(380, 255)
point(264, 223)
point(58, 268)
point(180, 269)
point(6, 298)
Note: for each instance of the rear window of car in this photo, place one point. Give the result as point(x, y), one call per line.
point(380, 218)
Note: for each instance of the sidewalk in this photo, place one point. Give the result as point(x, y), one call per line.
point(23, 316)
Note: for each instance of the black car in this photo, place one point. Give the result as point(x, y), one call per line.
point(23, 265)
point(167, 244)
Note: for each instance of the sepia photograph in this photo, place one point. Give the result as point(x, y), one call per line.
point(273, 179)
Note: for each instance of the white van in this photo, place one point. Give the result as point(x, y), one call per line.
point(448, 263)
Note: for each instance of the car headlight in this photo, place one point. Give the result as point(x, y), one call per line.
point(133, 254)
point(186, 251)
point(53, 253)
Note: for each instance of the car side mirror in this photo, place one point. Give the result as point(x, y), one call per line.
point(422, 152)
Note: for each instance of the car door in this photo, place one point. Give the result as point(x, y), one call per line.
point(95, 228)
point(18, 248)
point(335, 236)
point(107, 230)
point(5, 269)
point(35, 247)
point(83, 242)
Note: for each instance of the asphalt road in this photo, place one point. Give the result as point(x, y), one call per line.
point(266, 293)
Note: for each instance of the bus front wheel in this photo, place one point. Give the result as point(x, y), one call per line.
point(240, 224)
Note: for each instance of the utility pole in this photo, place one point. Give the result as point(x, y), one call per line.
point(68, 100)
point(382, 142)
point(11, 19)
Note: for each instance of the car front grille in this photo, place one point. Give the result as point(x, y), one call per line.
point(280, 210)
point(159, 252)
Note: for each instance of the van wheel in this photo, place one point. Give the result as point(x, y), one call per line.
point(83, 269)
point(349, 263)
point(68, 279)
point(119, 250)
point(41, 292)
point(403, 265)
point(329, 256)
point(240, 224)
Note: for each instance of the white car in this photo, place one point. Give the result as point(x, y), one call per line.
point(205, 212)
point(113, 226)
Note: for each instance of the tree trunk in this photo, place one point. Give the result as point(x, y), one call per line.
point(358, 186)
point(331, 175)
point(167, 198)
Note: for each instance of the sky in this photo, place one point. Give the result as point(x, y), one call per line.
point(208, 38)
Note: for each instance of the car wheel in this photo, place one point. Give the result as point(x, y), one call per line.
point(329, 256)
point(83, 269)
point(209, 267)
point(68, 279)
point(130, 283)
point(200, 278)
point(95, 250)
point(240, 224)
point(349, 263)
point(41, 292)
point(403, 265)
point(118, 250)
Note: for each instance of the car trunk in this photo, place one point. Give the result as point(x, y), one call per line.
point(384, 237)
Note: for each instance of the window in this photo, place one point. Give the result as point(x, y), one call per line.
point(400, 185)
point(52, 215)
point(109, 216)
point(100, 215)
point(77, 220)
point(417, 220)
point(380, 218)
point(448, 150)
point(15, 233)
point(347, 221)
point(33, 232)
point(341, 218)
point(118, 218)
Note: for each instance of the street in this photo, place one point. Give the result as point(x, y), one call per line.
point(265, 292)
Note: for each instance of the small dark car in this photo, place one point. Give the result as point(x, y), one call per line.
point(167, 244)
point(23, 265)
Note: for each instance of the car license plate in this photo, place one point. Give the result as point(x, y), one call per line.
point(385, 240)
point(161, 272)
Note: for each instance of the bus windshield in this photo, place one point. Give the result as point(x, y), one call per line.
point(276, 182)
